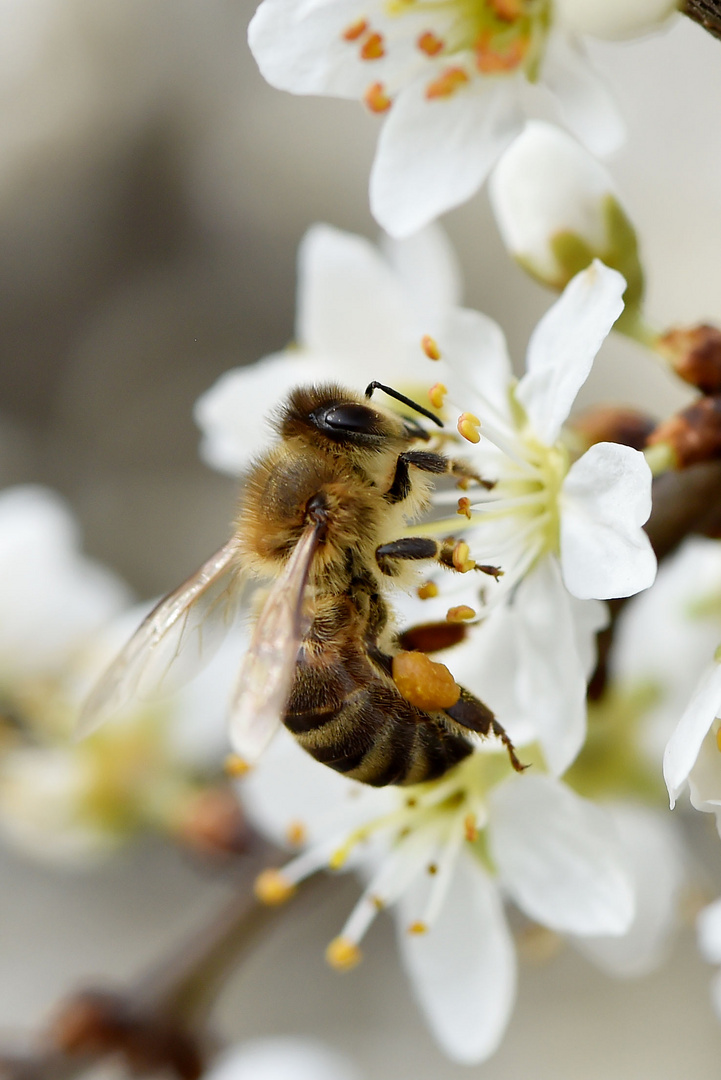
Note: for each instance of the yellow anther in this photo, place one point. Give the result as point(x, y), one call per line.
point(430, 43)
point(376, 98)
point(373, 47)
point(464, 507)
point(377, 903)
point(355, 30)
point(470, 827)
point(461, 560)
point(446, 84)
point(296, 833)
point(430, 347)
point(462, 613)
point(432, 869)
point(343, 954)
point(235, 766)
point(418, 928)
point(337, 859)
point(468, 426)
point(436, 395)
point(428, 590)
point(272, 888)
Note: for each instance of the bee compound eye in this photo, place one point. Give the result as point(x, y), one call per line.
point(352, 418)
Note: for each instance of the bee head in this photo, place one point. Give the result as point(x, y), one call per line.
point(333, 416)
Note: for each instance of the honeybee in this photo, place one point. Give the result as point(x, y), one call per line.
point(322, 517)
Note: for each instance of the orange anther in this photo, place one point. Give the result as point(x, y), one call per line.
point(373, 47)
point(430, 44)
point(418, 928)
point(462, 613)
point(355, 30)
point(235, 766)
point(343, 954)
point(296, 833)
point(471, 829)
point(508, 10)
point(376, 98)
point(468, 426)
point(464, 507)
point(436, 395)
point(491, 61)
point(272, 888)
point(446, 84)
point(430, 348)
point(461, 560)
point(427, 590)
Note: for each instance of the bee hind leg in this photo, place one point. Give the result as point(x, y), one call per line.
point(473, 715)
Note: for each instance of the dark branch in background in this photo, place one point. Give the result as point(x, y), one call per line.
point(159, 1025)
point(684, 503)
point(705, 12)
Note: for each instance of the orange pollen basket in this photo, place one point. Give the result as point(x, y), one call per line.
point(446, 84)
point(355, 30)
point(373, 47)
point(376, 98)
point(430, 44)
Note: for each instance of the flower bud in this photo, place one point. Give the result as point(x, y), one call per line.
point(692, 435)
point(695, 355)
point(613, 18)
point(612, 423)
point(557, 211)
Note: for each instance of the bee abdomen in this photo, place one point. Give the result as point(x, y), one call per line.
point(376, 736)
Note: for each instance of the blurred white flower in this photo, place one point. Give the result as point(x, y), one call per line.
point(445, 854)
point(281, 1058)
point(557, 210)
point(614, 18)
point(361, 313)
point(450, 77)
point(52, 597)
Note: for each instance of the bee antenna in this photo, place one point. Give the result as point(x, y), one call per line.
point(406, 401)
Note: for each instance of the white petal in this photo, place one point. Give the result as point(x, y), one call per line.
point(427, 267)
point(52, 598)
point(589, 617)
point(353, 314)
point(559, 857)
point(433, 155)
point(656, 861)
point(563, 346)
point(704, 780)
point(546, 183)
point(234, 414)
point(475, 351)
point(708, 931)
point(463, 970)
point(289, 787)
point(584, 101)
point(605, 499)
point(613, 18)
point(281, 1058)
point(299, 46)
point(685, 743)
point(551, 675)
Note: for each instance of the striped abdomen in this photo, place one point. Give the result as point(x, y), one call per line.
point(348, 714)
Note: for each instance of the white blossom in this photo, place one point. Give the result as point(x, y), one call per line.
point(557, 209)
point(450, 76)
point(693, 753)
point(281, 1058)
point(445, 855)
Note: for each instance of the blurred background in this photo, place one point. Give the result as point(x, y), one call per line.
point(153, 190)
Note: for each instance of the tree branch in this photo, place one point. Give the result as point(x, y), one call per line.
point(705, 12)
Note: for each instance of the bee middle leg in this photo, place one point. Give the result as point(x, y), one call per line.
point(472, 714)
point(451, 553)
point(430, 462)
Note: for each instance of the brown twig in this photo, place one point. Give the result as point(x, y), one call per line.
point(705, 12)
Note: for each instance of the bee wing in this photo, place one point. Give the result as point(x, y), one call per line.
point(266, 675)
point(187, 625)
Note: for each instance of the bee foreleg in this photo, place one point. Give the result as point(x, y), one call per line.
point(472, 714)
point(451, 553)
point(430, 462)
